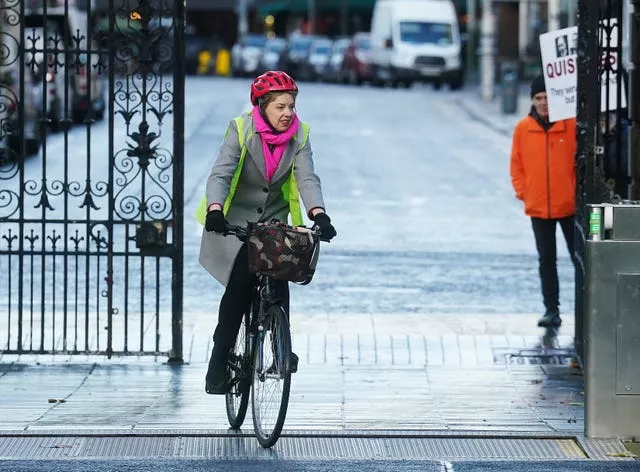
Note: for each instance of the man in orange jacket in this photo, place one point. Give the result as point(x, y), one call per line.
point(543, 177)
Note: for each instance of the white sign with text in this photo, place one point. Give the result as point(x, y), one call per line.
point(560, 68)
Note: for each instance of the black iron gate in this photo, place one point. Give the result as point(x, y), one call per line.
point(91, 176)
point(608, 117)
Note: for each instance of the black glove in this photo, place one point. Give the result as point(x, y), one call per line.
point(216, 222)
point(324, 223)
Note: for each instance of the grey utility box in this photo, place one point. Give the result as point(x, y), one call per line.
point(612, 322)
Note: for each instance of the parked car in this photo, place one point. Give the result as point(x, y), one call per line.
point(271, 54)
point(319, 55)
point(293, 59)
point(333, 70)
point(13, 132)
point(356, 66)
point(245, 55)
point(40, 74)
point(76, 80)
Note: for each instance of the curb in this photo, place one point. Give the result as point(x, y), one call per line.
point(473, 114)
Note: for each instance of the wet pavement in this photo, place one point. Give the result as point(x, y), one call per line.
point(312, 466)
point(447, 382)
point(421, 319)
point(424, 387)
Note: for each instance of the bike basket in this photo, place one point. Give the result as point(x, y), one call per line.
point(282, 252)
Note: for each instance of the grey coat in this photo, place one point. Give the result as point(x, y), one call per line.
point(255, 199)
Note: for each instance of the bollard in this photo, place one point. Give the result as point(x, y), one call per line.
point(223, 62)
point(509, 80)
point(204, 62)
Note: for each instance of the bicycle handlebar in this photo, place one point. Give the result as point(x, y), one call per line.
point(241, 232)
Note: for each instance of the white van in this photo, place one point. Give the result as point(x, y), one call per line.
point(416, 40)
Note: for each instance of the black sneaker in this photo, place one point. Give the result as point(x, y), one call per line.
point(293, 364)
point(551, 319)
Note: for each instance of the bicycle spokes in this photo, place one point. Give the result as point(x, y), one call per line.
point(271, 377)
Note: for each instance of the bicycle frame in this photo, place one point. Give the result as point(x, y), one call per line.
point(265, 296)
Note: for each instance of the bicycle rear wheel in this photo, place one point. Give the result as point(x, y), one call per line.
point(271, 377)
point(239, 374)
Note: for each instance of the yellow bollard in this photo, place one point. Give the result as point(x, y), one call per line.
point(204, 62)
point(223, 62)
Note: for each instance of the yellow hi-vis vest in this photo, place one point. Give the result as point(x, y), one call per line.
point(289, 188)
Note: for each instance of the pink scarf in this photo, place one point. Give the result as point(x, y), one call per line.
point(269, 137)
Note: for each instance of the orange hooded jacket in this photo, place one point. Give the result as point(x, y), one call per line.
point(543, 167)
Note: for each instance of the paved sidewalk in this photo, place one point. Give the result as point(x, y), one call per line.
point(490, 113)
point(425, 372)
point(422, 379)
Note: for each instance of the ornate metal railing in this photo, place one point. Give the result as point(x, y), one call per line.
point(91, 224)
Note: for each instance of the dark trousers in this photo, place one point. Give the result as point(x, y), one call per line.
point(236, 300)
point(544, 231)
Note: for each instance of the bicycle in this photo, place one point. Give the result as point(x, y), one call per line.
point(259, 363)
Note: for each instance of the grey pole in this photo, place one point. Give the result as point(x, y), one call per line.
point(634, 98)
point(344, 18)
point(471, 38)
point(523, 28)
point(487, 41)
point(553, 15)
point(243, 23)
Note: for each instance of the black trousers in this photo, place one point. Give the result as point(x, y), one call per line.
point(236, 300)
point(544, 231)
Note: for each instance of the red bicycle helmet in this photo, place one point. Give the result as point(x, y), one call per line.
point(271, 81)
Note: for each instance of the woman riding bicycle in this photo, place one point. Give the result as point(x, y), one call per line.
point(264, 163)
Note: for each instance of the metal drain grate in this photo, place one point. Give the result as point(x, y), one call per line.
point(535, 357)
point(290, 447)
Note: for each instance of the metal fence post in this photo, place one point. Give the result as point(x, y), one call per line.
point(587, 117)
point(177, 281)
point(634, 99)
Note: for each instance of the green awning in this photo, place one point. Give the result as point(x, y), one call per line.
point(300, 6)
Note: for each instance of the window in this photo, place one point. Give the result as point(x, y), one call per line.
point(255, 41)
point(425, 33)
point(364, 44)
point(300, 45)
point(275, 46)
point(322, 48)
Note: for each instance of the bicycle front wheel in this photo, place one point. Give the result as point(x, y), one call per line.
point(271, 377)
point(238, 365)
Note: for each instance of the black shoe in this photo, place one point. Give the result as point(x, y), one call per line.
point(551, 319)
point(216, 379)
point(293, 363)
